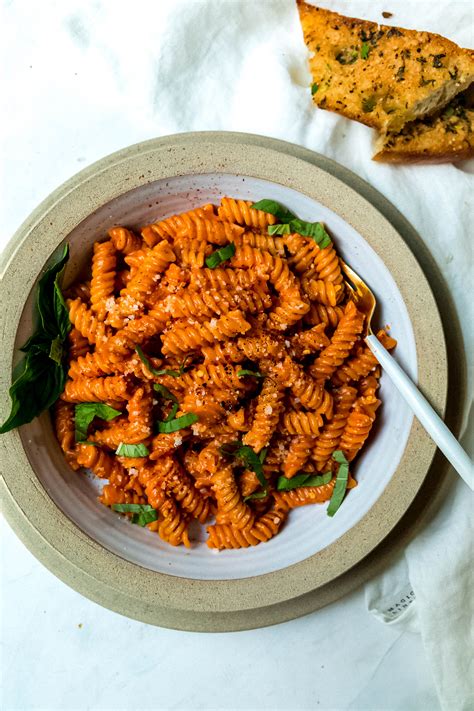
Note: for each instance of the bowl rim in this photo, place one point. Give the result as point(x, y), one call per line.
point(103, 575)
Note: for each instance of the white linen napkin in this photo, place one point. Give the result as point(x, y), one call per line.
point(429, 590)
point(150, 69)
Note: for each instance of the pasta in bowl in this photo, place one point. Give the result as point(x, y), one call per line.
point(216, 373)
point(53, 501)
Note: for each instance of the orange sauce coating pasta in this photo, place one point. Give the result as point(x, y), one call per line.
point(265, 348)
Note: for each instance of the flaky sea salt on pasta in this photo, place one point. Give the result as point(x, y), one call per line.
point(222, 365)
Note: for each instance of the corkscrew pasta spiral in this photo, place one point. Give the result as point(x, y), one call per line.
point(299, 452)
point(104, 263)
point(168, 228)
point(78, 345)
point(216, 361)
point(88, 325)
point(240, 212)
point(124, 240)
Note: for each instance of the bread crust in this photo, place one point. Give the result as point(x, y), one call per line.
point(405, 73)
point(445, 137)
point(413, 156)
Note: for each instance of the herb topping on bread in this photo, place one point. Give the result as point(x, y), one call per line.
point(380, 75)
point(446, 136)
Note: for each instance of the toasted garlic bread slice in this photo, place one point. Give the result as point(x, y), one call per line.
point(444, 137)
point(379, 75)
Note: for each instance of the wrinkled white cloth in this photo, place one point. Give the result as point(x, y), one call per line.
point(430, 590)
point(107, 74)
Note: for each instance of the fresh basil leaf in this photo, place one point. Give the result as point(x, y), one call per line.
point(167, 371)
point(220, 255)
point(85, 413)
point(314, 89)
point(132, 450)
point(290, 223)
point(315, 230)
point(164, 371)
point(255, 373)
point(38, 385)
point(320, 480)
point(341, 482)
point(132, 508)
point(257, 495)
point(61, 311)
point(229, 449)
point(339, 457)
point(53, 312)
point(164, 392)
point(154, 371)
point(38, 342)
point(44, 393)
point(141, 513)
point(252, 461)
point(177, 424)
point(263, 454)
point(279, 229)
point(141, 519)
point(39, 380)
point(364, 50)
point(249, 458)
point(284, 484)
point(172, 412)
point(56, 350)
point(274, 208)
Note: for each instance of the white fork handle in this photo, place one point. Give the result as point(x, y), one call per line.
point(432, 423)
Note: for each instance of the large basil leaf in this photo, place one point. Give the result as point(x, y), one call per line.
point(53, 312)
point(35, 389)
point(39, 379)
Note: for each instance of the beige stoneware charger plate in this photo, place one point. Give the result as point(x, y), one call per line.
point(315, 560)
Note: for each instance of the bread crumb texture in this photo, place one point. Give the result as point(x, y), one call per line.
point(379, 75)
point(448, 135)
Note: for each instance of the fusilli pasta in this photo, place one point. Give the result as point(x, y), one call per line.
point(226, 374)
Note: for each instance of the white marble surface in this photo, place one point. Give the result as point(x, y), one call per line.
point(87, 78)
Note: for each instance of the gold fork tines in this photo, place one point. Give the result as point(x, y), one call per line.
point(361, 295)
point(434, 425)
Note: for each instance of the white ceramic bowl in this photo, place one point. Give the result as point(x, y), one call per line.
point(308, 529)
point(128, 568)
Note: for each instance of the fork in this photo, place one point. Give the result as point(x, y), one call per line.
point(433, 424)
